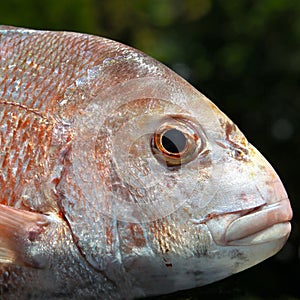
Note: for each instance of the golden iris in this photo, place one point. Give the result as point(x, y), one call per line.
point(176, 141)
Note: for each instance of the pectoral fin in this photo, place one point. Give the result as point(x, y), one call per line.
point(19, 229)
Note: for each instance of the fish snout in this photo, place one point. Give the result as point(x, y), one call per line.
point(269, 221)
point(265, 218)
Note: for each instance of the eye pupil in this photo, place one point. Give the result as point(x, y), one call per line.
point(174, 141)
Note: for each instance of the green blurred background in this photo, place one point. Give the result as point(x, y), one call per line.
point(243, 55)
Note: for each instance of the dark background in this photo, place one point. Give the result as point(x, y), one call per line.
point(245, 56)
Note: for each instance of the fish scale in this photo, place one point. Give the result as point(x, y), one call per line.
point(93, 203)
point(25, 155)
point(47, 68)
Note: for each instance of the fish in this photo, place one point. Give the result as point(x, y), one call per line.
point(118, 179)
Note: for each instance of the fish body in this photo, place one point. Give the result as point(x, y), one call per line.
point(118, 179)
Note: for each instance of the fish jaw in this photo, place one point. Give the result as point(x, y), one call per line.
point(263, 224)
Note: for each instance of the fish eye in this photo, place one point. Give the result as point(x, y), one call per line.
point(176, 142)
point(173, 141)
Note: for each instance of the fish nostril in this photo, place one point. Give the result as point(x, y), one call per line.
point(271, 189)
point(279, 190)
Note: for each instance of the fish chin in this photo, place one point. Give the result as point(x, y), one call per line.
point(278, 232)
point(194, 271)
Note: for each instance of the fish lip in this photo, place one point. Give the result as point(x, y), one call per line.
point(278, 231)
point(263, 224)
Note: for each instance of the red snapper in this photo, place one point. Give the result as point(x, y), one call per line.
point(118, 179)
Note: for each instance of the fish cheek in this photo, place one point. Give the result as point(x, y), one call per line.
point(111, 175)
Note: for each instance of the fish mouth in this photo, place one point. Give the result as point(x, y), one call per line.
point(263, 224)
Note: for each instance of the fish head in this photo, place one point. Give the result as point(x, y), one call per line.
point(161, 186)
